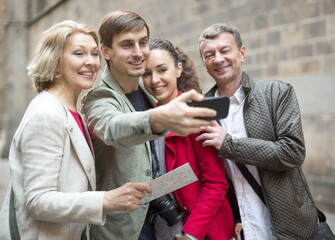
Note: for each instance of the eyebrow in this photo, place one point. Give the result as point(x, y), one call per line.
point(159, 65)
point(223, 47)
point(82, 46)
point(207, 51)
point(126, 40)
point(144, 37)
point(132, 40)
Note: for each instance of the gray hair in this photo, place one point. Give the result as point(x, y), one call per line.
point(218, 28)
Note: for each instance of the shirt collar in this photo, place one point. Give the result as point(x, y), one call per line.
point(238, 96)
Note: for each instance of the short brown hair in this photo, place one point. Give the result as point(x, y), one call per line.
point(120, 21)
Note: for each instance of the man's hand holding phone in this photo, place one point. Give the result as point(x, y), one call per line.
point(219, 104)
point(180, 118)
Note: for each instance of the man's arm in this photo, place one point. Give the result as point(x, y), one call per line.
point(109, 117)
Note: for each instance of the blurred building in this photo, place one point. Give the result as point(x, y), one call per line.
point(288, 40)
point(2, 105)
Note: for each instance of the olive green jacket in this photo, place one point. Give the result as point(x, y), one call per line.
point(120, 138)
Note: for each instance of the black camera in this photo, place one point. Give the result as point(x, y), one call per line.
point(167, 208)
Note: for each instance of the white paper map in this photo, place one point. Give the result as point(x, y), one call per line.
point(169, 182)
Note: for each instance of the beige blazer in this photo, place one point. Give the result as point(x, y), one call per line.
point(52, 175)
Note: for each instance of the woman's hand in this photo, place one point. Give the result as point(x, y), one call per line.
point(126, 197)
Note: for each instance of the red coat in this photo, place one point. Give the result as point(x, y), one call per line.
point(209, 214)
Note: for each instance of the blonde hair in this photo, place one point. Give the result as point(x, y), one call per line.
point(47, 62)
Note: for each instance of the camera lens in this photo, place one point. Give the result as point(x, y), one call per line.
point(168, 209)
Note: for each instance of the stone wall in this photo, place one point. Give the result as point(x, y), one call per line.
point(288, 40)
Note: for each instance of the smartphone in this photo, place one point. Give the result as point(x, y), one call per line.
point(219, 104)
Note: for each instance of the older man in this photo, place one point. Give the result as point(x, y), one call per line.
point(262, 140)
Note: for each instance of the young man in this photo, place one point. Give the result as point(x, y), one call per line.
point(263, 132)
point(121, 121)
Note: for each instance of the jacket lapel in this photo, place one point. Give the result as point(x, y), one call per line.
point(109, 80)
point(82, 148)
point(169, 148)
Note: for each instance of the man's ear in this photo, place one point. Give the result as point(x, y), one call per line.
point(104, 51)
point(243, 53)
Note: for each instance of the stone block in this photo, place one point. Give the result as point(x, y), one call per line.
point(262, 57)
point(294, 68)
point(279, 18)
point(273, 38)
point(260, 7)
point(315, 29)
point(330, 20)
point(311, 10)
point(300, 51)
point(326, 47)
point(292, 34)
point(288, 14)
point(272, 70)
point(289, 68)
point(328, 6)
point(255, 71)
point(253, 42)
point(310, 66)
point(261, 22)
point(278, 55)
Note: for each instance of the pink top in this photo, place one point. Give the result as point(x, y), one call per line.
point(77, 117)
point(78, 120)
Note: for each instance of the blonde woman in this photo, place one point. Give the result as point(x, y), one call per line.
point(51, 157)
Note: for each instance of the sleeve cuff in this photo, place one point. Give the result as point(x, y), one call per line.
point(190, 236)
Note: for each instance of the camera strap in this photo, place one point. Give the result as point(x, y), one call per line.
point(155, 161)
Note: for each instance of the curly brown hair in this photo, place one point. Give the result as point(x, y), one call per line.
point(188, 79)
